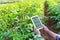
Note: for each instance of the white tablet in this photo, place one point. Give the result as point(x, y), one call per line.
point(36, 22)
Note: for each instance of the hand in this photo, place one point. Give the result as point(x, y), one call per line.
point(45, 28)
point(36, 31)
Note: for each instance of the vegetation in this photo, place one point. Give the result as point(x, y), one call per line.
point(54, 11)
point(15, 23)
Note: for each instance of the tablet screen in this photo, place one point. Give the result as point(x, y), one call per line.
point(37, 22)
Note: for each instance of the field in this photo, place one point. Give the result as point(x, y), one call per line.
point(15, 18)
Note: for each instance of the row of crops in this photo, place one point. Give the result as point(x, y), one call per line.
point(54, 11)
point(15, 22)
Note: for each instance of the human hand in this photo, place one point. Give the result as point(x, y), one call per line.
point(45, 28)
point(36, 31)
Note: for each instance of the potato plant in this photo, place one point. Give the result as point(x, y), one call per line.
point(54, 11)
point(15, 22)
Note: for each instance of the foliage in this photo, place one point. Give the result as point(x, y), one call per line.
point(54, 11)
point(15, 23)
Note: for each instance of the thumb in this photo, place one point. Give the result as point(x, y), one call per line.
point(35, 28)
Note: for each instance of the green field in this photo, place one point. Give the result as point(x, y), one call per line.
point(15, 18)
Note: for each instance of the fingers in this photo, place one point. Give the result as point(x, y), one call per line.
point(43, 28)
point(35, 29)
